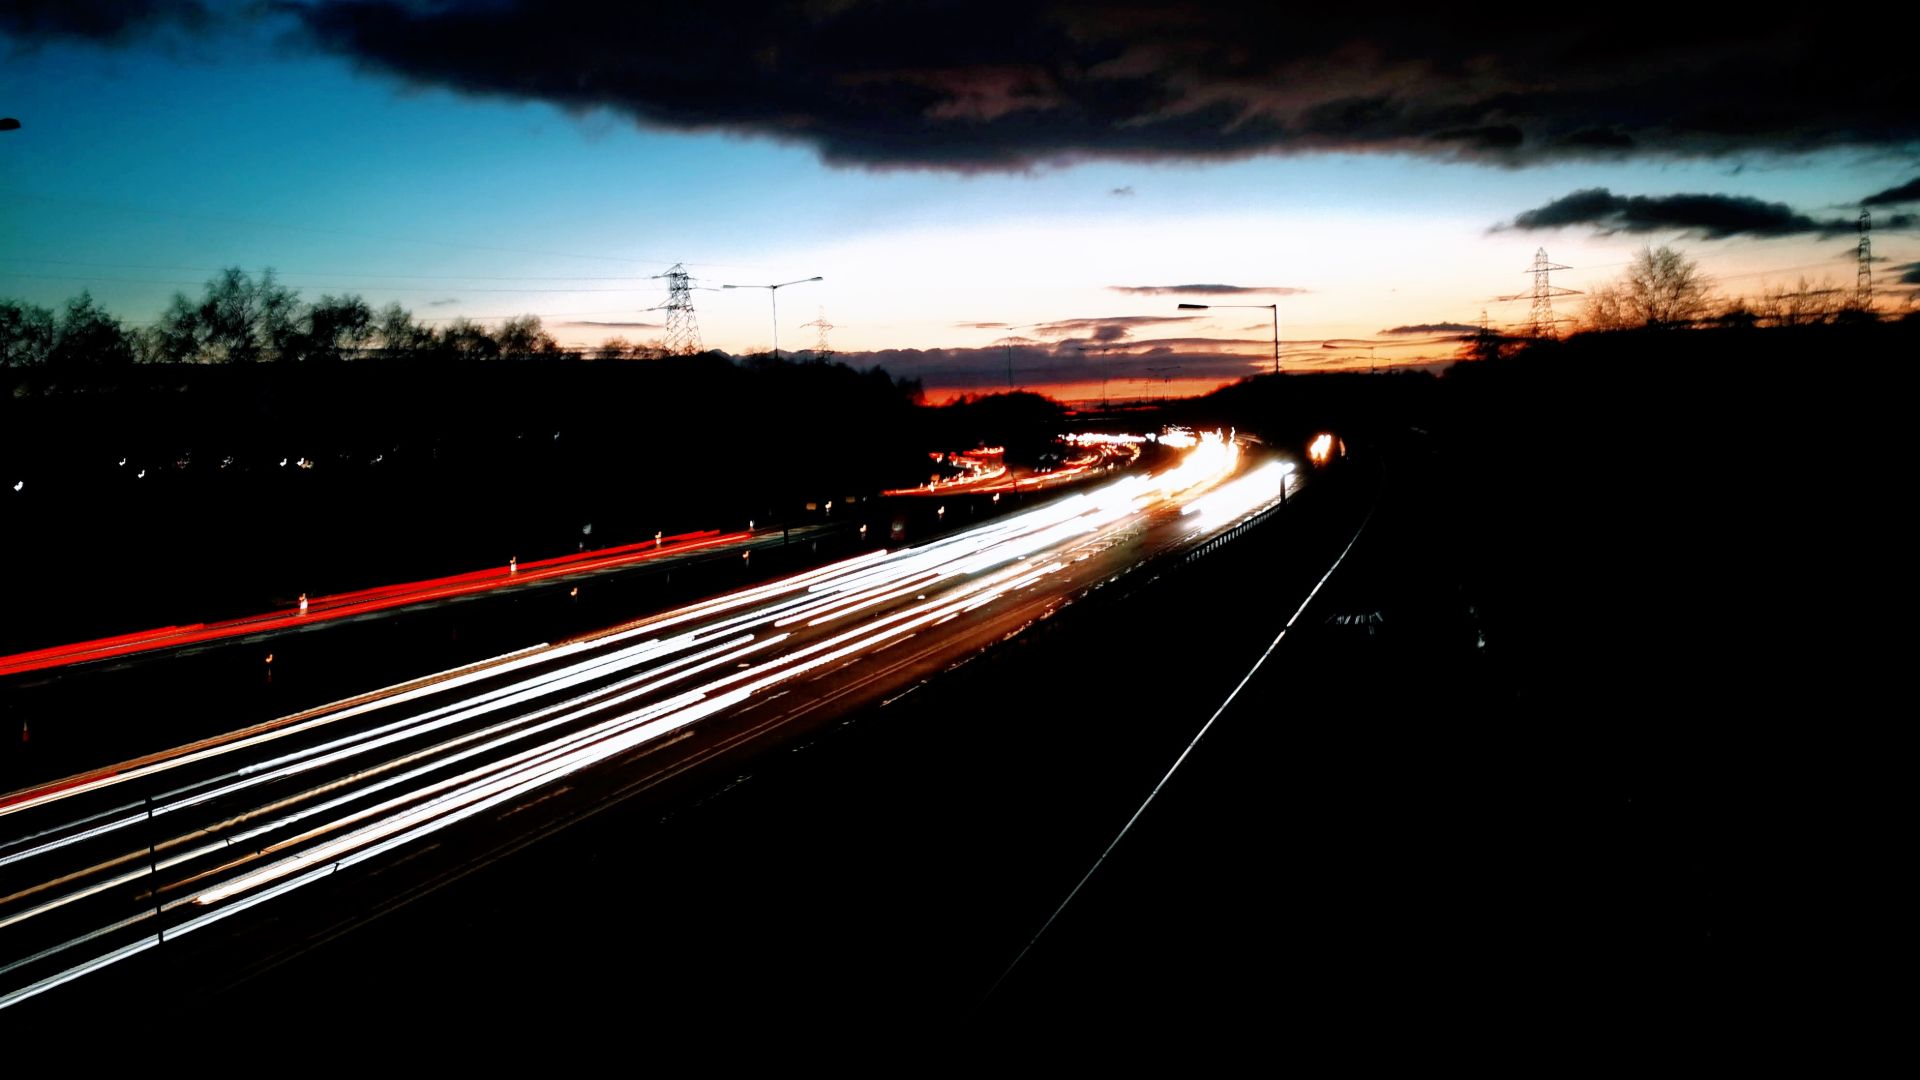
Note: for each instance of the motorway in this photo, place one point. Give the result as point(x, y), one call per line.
point(986, 472)
point(363, 602)
point(101, 867)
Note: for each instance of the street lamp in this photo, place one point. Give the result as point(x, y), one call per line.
point(772, 295)
point(1104, 370)
point(1276, 323)
point(1009, 343)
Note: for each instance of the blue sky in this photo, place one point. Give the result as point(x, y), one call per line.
point(141, 168)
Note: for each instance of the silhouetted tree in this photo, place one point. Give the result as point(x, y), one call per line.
point(913, 390)
point(337, 327)
point(523, 336)
point(26, 334)
point(1607, 309)
point(398, 334)
point(88, 337)
point(1803, 304)
point(238, 321)
point(1665, 288)
point(1737, 313)
point(1660, 288)
point(464, 339)
point(149, 345)
point(176, 338)
point(1486, 343)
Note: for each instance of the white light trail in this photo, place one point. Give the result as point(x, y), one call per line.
point(341, 784)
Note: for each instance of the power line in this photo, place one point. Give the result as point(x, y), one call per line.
point(333, 273)
point(309, 285)
point(560, 315)
point(257, 223)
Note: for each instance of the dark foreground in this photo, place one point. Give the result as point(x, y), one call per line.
point(1548, 767)
point(1380, 834)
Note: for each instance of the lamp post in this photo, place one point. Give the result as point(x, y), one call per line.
point(1275, 308)
point(1008, 341)
point(1102, 349)
point(773, 292)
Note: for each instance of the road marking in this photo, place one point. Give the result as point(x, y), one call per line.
point(1184, 754)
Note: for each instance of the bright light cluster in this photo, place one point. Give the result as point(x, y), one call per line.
point(1096, 438)
point(236, 820)
point(1241, 496)
point(978, 468)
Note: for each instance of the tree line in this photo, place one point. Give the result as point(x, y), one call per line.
point(1663, 288)
point(242, 319)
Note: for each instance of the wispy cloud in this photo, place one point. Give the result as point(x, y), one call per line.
point(612, 325)
point(1107, 328)
point(1206, 290)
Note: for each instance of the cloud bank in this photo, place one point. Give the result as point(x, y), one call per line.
point(1712, 217)
point(1015, 84)
point(1433, 328)
point(1905, 193)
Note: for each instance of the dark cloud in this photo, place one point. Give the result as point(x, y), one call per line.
point(1011, 84)
point(1434, 328)
point(1713, 217)
point(1206, 290)
point(1122, 191)
point(1040, 364)
point(1851, 253)
point(1109, 328)
point(1905, 193)
point(108, 21)
point(8, 123)
point(1175, 344)
point(1035, 365)
point(1909, 273)
point(443, 302)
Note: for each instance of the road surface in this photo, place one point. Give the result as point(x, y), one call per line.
point(104, 866)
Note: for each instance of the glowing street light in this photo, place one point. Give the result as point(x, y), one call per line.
point(773, 296)
point(1276, 323)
